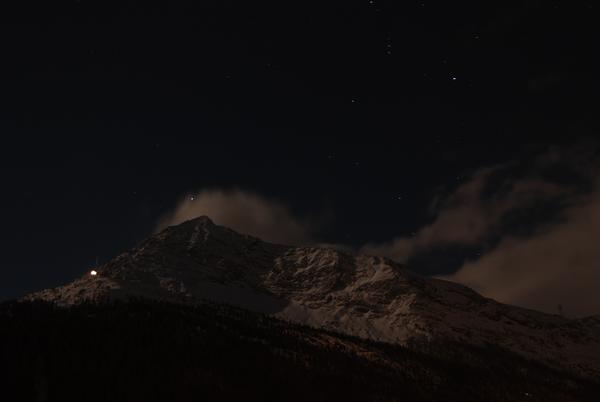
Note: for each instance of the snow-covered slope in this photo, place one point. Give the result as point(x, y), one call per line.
point(367, 296)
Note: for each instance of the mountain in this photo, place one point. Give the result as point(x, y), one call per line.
point(365, 296)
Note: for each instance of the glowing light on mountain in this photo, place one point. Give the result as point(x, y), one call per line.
point(93, 273)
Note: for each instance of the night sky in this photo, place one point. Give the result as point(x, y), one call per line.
point(365, 121)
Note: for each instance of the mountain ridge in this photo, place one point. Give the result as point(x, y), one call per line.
point(366, 296)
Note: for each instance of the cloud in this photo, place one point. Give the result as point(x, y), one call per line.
point(559, 265)
point(537, 224)
point(246, 213)
point(468, 215)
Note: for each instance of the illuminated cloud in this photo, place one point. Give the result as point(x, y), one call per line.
point(244, 212)
point(556, 269)
point(467, 216)
point(537, 224)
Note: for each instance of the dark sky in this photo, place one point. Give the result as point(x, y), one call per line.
point(362, 112)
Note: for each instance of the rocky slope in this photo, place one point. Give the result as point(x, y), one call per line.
point(366, 296)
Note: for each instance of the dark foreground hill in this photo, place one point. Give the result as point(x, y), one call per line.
point(157, 351)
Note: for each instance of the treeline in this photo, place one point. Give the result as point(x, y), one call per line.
point(153, 351)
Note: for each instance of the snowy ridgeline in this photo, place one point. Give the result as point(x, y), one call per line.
point(366, 296)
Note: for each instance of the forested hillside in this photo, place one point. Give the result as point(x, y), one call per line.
point(155, 351)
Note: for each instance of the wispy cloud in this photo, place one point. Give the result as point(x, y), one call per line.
point(473, 212)
point(555, 269)
point(537, 223)
point(245, 212)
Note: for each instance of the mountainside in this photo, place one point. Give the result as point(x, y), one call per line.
point(157, 351)
point(365, 296)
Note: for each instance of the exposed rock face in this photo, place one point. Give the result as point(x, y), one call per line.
point(367, 296)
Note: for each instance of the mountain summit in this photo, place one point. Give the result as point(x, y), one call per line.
point(366, 296)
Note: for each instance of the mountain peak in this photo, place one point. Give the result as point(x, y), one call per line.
point(188, 232)
point(202, 220)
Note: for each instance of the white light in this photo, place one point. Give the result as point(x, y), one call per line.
point(93, 273)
